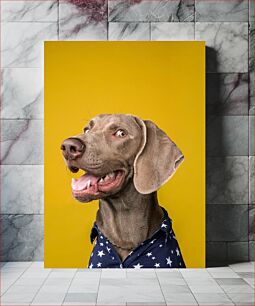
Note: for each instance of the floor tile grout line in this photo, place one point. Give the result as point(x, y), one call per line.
point(15, 280)
point(40, 287)
point(160, 286)
point(189, 287)
point(98, 286)
point(69, 286)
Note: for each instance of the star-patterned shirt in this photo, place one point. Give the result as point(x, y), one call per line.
point(161, 250)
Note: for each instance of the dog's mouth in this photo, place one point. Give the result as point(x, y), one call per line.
point(89, 186)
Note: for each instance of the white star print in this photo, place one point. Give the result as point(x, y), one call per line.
point(108, 249)
point(101, 244)
point(91, 254)
point(100, 253)
point(169, 261)
point(148, 254)
point(106, 242)
point(99, 264)
point(130, 253)
point(153, 257)
point(157, 265)
point(160, 245)
point(112, 258)
point(91, 265)
point(172, 251)
point(164, 225)
point(153, 241)
point(177, 252)
point(101, 237)
point(138, 266)
point(121, 266)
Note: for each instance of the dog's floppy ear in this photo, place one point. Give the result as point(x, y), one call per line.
point(157, 159)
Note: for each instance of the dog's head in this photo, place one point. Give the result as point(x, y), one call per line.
point(115, 150)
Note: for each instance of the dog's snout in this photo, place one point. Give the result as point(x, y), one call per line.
point(72, 148)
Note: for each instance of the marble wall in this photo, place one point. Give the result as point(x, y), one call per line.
point(228, 29)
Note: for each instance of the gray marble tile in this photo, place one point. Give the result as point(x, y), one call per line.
point(83, 20)
point(129, 31)
point(251, 93)
point(227, 135)
point(246, 274)
point(242, 299)
point(251, 222)
point(172, 31)
point(251, 68)
point(230, 281)
point(216, 253)
point(227, 180)
point(22, 142)
point(227, 222)
point(81, 297)
point(251, 10)
point(251, 250)
point(22, 93)
point(227, 93)
point(227, 45)
point(238, 251)
point(22, 189)
point(251, 46)
point(23, 42)
point(22, 237)
point(153, 10)
point(180, 299)
point(251, 180)
point(213, 10)
point(251, 135)
point(23, 10)
point(213, 299)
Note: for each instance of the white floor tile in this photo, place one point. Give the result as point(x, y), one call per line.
point(243, 267)
point(49, 298)
point(113, 273)
point(237, 288)
point(213, 299)
point(18, 264)
point(22, 297)
point(242, 299)
point(180, 299)
point(88, 274)
point(249, 281)
point(198, 273)
point(222, 272)
point(205, 289)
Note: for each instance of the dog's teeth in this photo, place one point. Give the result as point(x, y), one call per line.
point(101, 180)
point(88, 184)
point(111, 175)
point(107, 177)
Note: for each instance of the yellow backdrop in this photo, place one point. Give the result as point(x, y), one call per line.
point(160, 81)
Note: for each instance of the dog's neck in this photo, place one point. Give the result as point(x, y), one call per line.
point(129, 219)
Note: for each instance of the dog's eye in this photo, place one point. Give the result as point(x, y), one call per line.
point(120, 133)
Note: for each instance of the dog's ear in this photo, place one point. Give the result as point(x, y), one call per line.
point(157, 159)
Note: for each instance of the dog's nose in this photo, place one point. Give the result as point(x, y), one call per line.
point(72, 148)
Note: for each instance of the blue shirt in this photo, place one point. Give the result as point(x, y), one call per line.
point(161, 250)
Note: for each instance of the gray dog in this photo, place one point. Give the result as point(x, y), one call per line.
point(126, 160)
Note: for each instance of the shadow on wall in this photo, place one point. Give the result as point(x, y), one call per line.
point(221, 222)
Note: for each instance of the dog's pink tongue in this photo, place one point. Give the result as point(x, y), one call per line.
point(84, 182)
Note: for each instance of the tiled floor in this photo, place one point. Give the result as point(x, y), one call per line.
point(28, 283)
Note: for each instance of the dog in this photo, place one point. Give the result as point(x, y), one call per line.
point(126, 160)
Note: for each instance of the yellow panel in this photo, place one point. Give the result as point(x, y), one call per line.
point(160, 81)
